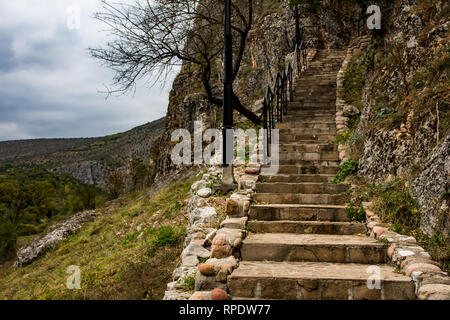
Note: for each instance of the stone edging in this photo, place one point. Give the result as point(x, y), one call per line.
point(211, 254)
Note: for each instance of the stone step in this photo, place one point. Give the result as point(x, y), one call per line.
point(314, 147)
point(307, 227)
point(291, 178)
point(294, 169)
point(313, 248)
point(308, 163)
point(319, 112)
point(298, 212)
point(324, 155)
point(309, 131)
point(300, 198)
point(308, 137)
point(310, 125)
point(302, 187)
point(316, 281)
point(315, 118)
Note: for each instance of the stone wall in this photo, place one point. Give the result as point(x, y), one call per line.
point(212, 245)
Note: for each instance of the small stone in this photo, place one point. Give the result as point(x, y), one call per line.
point(350, 111)
point(219, 294)
point(221, 247)
point(210, 237)
point(195, 249)
point(391, 249)
point(434, 292)
point(251, 170)
point(405, 253)
point(421, 267)
point(237, 243)
point(206, 269)
point(196, 296)
point(189, 261)
point(224, 272)
point(417, 260)
point(204, 193)
point(378, 231)
point(218, 263)
point(232, 208)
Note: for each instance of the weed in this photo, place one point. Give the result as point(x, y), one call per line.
point(348, 168)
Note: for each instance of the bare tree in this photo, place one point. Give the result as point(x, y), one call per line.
point(151, 37)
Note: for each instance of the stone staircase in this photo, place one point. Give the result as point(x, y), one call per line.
point(303, 245)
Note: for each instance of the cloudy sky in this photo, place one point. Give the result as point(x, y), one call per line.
point(49, 85)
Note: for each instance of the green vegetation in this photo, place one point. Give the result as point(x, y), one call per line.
point(32, 198)
point(128, 251)
point(315, 5)
point(348, 168)
point(357, 214)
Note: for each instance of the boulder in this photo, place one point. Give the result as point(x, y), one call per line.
point(194, 249)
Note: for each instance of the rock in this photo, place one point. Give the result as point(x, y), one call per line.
point(219, 294)
point(196, 296)
point(251, 170)
point(434, 292)
point(189, 261)
point(234, 223)
point(417, 260)
point(391, 249)
point(378, 231)
point(203, 283)
point(218, 263)
point(204, 193)
point(203, 217)
point(232, 208)
point(206, 269)
point(210, 237)
point(176, 295)
point(237, 243)
point(182, 272)
point(194, 249)
point(60, 231)
point(412, 267)
point(221, 247)
point(350, 111)
point(224, 272)
point(433, 278)
point(231, 234)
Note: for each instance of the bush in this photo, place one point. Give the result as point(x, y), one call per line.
point(348, 168)
point(166, 235)
point(394, 204)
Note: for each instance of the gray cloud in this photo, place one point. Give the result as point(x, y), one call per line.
point(49, 85)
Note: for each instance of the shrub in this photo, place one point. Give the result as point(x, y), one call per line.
point(166, 235)
point(348, 168)
point(394, 203)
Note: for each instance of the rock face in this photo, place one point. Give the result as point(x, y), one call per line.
point(61, 231)
point(407, 146)
point(431, 188)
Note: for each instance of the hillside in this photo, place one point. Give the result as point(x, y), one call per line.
point(90, 160)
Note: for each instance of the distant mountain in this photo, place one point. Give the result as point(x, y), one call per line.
point(90, 160)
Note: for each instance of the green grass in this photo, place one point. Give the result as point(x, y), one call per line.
point(128, 252)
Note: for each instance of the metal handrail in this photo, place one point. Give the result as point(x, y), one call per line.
point(275, 104)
